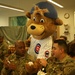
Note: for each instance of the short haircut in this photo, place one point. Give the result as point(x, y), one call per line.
point(62, 43)
point(64, 37)
point(18, 41)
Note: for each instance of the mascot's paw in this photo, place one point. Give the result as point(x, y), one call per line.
point(41, 73)
point(33, 67)
point(30, 63)
point(29, 67)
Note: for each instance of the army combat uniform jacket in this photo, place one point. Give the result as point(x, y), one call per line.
point(3, 50)
point(65, 67)
point(20, 63)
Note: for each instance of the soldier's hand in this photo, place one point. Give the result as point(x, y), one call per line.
point(12, 66)
point(6, 63)
point(9, 65)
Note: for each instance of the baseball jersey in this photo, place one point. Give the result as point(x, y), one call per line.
point(40, 48)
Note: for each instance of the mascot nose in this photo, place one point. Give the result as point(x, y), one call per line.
point(33, 27)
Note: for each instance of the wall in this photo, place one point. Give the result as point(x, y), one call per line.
point(4, 20)
point(74, 20)
point(4, 17)
point(69, 21)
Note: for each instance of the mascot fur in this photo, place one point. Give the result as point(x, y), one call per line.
point(42, 23)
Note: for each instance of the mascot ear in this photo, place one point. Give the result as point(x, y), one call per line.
point(58, 22)
point(28, 14)
point(36, 7)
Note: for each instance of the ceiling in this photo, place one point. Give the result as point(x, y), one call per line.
point(66, 3)
point(27, 4)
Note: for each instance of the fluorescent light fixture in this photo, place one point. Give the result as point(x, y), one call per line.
point(11, 8)
point(56, 3)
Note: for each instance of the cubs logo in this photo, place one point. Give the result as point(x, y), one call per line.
point(37, 48)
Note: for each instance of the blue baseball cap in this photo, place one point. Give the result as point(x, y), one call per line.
point(47, 5)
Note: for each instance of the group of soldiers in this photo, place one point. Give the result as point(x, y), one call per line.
point(13, 63)
point(60, 63)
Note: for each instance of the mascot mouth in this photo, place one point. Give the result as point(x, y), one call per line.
point(36, 30)
point(38, 36)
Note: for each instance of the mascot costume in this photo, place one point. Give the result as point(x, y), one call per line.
point(42, 23)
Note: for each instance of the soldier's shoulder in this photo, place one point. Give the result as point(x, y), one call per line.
point(69, 66)
point(51, 59)
point(29, 57)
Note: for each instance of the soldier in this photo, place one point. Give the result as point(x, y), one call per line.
point(3, 47)
point(3, 51)
point(1, 66)
point(15, 65)
point(60, 63)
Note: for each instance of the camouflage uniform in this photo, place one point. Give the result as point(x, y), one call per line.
point(55, 67)
point(1, 66)
point(3, 50)
point(20, 63)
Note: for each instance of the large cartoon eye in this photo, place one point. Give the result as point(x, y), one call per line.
point(42, 20)
point(34, 18)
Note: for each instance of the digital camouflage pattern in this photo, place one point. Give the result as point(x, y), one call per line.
point(20, 63)
point(3, 49)
point(65, 67)
point(3, 53)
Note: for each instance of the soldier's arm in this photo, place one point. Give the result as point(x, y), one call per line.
point(69, 69)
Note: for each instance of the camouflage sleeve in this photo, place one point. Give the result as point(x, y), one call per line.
point(29, 58)
point(72, 72)
point(69, 68)
point(1, 66)
point(5, 48)
point(3, 51)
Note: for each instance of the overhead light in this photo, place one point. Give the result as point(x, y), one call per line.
point(11, 8)
point(56, 3)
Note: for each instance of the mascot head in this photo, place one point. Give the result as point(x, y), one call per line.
point(43, 20)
